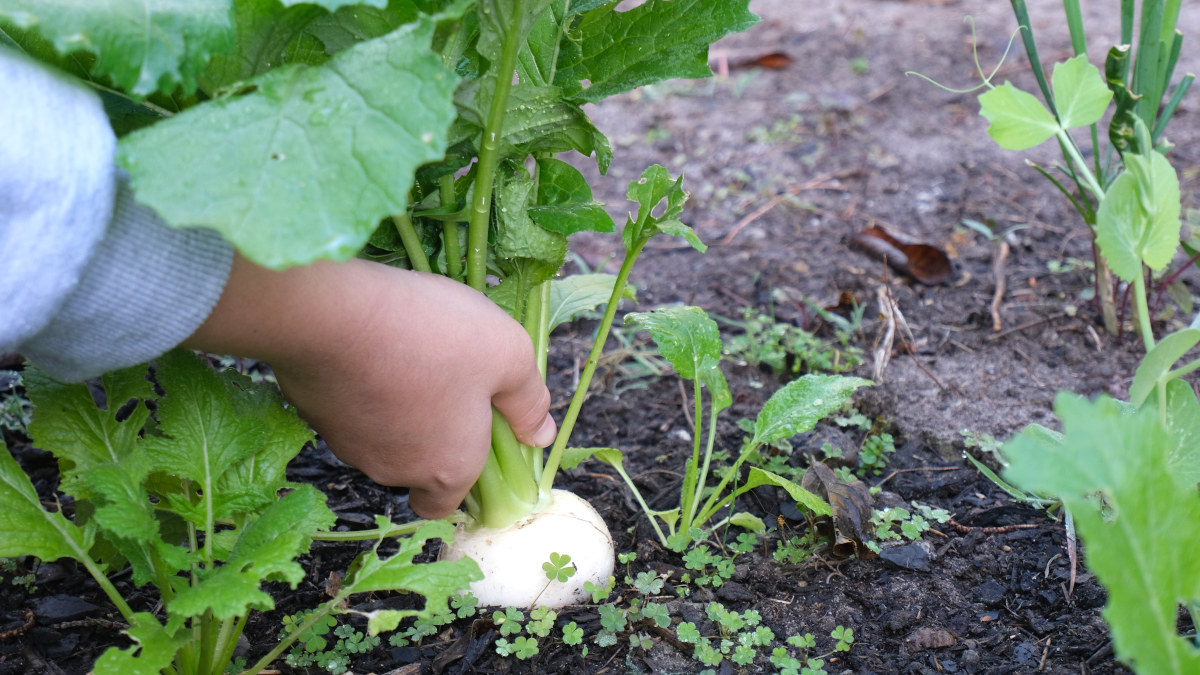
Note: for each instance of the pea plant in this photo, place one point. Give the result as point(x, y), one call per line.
point(1125, 471)
point(418, 133)
point(1137, 77)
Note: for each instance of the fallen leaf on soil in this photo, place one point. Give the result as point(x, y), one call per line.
point(927, 264)
point(929, 638)
point(851, 506)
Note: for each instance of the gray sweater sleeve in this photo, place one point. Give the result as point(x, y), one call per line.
point(90, 280)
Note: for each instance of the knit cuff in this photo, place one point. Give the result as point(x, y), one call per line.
point(147, 288)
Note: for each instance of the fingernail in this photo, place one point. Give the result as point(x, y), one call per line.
point(545, 434)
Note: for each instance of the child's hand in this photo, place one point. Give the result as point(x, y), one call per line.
point(398, 371)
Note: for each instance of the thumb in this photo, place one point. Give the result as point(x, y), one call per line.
point(527, 410)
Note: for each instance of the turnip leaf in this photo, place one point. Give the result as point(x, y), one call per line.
point(801, 403)
point(306, 165)
point(1140, 519)
point(572, 296)
point(657, 40)
point(144, 46)
point(686, 337)
point(650, 192)
point(564, 201)
point(271, 34)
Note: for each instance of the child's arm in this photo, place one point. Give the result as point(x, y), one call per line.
point(397, 370)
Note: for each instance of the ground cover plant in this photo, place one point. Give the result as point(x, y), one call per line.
point(1125, 471)
point(427, 116)
point(996, 595)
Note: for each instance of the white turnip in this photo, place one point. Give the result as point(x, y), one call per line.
point(511, 557)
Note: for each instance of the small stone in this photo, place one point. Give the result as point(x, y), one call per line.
point(990, 592)
point(59, 608)
point(912, 556)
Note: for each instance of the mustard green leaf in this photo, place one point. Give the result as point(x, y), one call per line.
point(1080, 94)
point(1139, 520)
point(574, 295)
point(144, 46)
point(801, 403)
point(1159, 362)
point(201, 432)
point(499, 18)
point(658, 40)
point(153, 650)
point(123, 508)
point(437, 581)
point(68, 423)
point(26, 528)
point(265, 550)
point(306, 165)
point(1018, 120)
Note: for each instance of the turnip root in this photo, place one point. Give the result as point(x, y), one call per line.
point(511, 558)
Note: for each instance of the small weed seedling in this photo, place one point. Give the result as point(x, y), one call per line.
point(789, 350)
point(804, 664)
point(899, 524)
point(691, 342)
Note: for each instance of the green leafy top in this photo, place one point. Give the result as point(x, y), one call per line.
point(1139, 516)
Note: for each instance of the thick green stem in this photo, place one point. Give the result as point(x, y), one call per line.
point(489, 157)
point(692, 483)
point(585, 378)
point(450, 229)
point(412, 243)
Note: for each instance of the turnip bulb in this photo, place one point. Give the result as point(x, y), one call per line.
point(511, 558)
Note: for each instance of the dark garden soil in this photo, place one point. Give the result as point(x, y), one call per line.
point(786, 158)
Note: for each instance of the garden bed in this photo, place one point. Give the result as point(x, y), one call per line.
point(815, 134)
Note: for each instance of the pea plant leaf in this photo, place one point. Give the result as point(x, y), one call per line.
point(657, 40)
point(1140, 520)
point(1156, 364)
point(1018, 120)
point(1080, 94)
point(306, 165)
point(1138, 220)
point(801, 403)
point(143, 46)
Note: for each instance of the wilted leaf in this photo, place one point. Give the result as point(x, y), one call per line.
point(850, 504)
point(927, 264)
